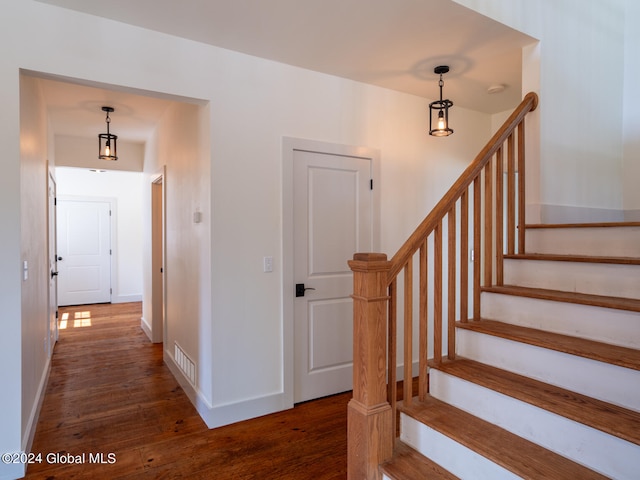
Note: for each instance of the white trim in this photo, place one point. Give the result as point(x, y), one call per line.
point(146, 328)
point(289, 145)
point(32, 423)
point(126, 298)
point(159, 328)
point(219, 415)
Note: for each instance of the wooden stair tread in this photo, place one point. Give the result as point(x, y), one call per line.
point(583, 225)
point(523, 458)
point(575, 258)
point(613, 354)
point(603, 416)
point(618, 303)
point(408, 464)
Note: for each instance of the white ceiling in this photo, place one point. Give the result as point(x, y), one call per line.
point(390, 43)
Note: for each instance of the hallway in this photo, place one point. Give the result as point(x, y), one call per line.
point(109, 393)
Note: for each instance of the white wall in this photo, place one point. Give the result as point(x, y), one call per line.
point(631, 167)
point(581, 100)
point(180, 150)
point(126, 189)
point(34, 360)
point(233, 327)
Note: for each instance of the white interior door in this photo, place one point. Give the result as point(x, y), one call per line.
point(333, 219)
point(84, 252)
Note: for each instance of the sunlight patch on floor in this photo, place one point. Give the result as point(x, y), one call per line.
point(80, 319)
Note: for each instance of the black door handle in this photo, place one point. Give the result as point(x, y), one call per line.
point(300, 289)
point(54, 274)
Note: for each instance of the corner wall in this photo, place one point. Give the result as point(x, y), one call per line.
point(179, 148)
point(582, 73)
point(35, 281)
point(223, 156)
point(631, 166)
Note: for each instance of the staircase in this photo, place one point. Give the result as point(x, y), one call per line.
point(547, 383)
point(525, 361)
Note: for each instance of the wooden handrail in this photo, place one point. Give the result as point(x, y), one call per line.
point(528, 104)
point(372, 411)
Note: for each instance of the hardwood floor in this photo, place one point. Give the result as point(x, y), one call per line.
point(110, 393)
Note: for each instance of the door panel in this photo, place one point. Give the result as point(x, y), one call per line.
point(332, 221)
point(84, 252)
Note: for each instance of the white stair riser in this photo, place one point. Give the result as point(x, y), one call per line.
point(606, 382)
point(616, 327)
point(597, 450)
point(607, 242)
point(452, 456)
point(592, 278)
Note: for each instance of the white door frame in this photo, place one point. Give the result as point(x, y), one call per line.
point(289, 146)
point(52, 241)
point(158, 241)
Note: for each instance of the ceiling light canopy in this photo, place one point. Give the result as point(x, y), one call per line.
point(439, 127)
point(107, 149)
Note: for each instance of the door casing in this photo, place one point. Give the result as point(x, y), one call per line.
point(289, 146)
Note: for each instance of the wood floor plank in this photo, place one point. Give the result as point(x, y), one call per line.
point(409, 464)
point(110, 392)
point(606, 417)
point(526, 459)
point(602, 352)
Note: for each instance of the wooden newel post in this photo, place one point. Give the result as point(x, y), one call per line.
point(369, 418)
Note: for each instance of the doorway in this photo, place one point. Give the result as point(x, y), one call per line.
point(158, 259)
point(53, 261)
point(331, 212)
point(84, 232)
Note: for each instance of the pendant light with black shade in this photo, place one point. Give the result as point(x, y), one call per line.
point(107, 148)
point(439, 126)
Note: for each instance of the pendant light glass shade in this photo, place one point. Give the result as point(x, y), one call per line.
point(107, 142)
point(439, 110)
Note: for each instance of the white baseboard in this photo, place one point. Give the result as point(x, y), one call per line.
point(126, 298)
point(219, 415)
point(146, 328)
point(30, 429)
point(415, 370)
point(13, 471)
point(632, 215)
